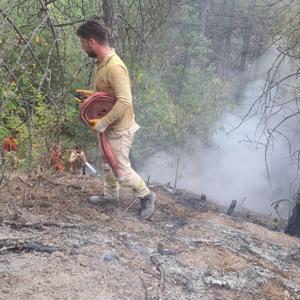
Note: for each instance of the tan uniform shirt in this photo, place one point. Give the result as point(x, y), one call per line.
point(112, 77)
point(74, 155)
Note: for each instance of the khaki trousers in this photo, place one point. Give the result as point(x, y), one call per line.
point(121, 143)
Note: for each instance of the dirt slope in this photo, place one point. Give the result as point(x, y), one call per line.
point(109, 253)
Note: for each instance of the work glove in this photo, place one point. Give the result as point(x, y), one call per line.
point(97, 125)
point(81, 156)
point(85, 93)
point(81, 95)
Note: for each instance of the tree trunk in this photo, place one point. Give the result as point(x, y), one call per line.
point(29, 124)
point(245, 46)
point(110, 20)
point(107, 8)
point(226, 63)
point(219, 39)
point(205, 15)
point(246, 34)
point(177, 168)
point(293, 225)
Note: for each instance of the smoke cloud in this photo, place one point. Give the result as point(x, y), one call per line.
point(233, 166)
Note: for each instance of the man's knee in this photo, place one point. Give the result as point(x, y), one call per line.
point(111, 181)
point(127, 175)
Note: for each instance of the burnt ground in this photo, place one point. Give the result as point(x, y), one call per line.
point(187, 251)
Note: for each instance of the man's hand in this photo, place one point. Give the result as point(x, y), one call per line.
point(93, 123)
point(81, 156)
point(96, 125)
point(83, 94)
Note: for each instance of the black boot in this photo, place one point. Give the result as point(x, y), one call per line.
point(148, 205)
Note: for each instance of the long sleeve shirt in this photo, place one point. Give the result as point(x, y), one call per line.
point(112, 77)
point(74, 155)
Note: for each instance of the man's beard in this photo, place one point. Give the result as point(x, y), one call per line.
point(92, 54)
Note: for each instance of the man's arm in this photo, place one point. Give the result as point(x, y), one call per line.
point(72, 157)
point(13, 145)
point(83, 157)
point(6, 144)
point(84, 93)
point(119, 79)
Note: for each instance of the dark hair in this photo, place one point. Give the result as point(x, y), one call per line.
point(93, 29)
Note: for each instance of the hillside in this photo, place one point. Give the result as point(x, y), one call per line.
point(189, 250)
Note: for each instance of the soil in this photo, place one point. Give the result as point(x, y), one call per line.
point(186, 251)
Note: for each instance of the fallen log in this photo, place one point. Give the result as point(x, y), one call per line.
point(187, 198)
point(168, 189)
point(18, 238)
point(145, 287)
point(38, 225)
point(161, 270)
point(6, 246)
point(193, 201)
point(58, 183)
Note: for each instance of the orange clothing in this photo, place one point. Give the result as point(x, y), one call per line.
point(9, 144)
point(55, 157)
point(59, 166)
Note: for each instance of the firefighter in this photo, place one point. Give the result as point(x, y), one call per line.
point(77, 160)
point(111, 76)
point(56, 158)
point(9, 148)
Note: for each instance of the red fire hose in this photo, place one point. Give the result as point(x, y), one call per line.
point(95, 107)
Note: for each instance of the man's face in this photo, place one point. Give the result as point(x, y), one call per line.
point(88, 47)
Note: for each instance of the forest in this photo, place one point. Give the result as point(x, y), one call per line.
point(188, 62)
point(201, 72)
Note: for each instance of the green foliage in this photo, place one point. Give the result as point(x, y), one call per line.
point(183, 58)
point(168, 121)
point(154, 112)
point(36, 120)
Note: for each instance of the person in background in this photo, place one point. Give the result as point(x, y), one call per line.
point(56, 158)
point(77, 160)
point(9, 148)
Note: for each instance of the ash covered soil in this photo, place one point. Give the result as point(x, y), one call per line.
point(189, 250)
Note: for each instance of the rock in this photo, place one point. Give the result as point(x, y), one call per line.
point(165, 251)
point(110, 257)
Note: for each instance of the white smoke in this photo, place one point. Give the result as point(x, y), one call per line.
point(234, 167)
